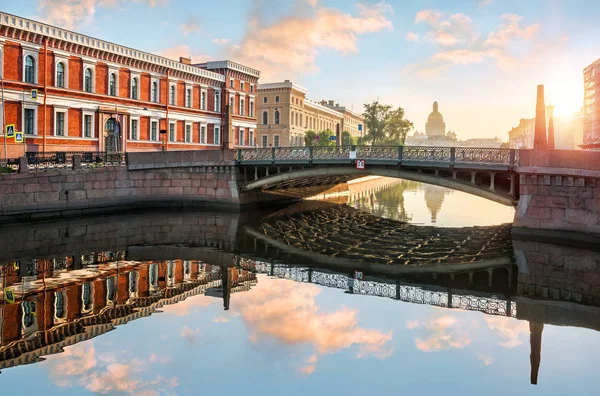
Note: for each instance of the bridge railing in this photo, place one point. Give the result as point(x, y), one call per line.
point(399, 155)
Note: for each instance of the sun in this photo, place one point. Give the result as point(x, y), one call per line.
point(565, 94)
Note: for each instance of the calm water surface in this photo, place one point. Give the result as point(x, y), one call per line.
point(136, 304)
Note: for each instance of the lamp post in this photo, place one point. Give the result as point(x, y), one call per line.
point(3, 120)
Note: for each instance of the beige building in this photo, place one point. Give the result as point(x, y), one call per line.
point(568, 132)
point(351, 119)
point(285, 114)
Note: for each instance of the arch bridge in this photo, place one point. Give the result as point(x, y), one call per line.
point(302, 171)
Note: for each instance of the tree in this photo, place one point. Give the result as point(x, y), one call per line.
point(347, 139)
point(310, 138)
point(384, 124)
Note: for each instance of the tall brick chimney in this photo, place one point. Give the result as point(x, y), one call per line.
point(539, 138)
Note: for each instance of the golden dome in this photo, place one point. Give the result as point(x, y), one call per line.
point(435, 114)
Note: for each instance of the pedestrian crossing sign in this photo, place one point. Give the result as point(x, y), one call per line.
point(9, 295)
point(10, 130)
point(34, 93)
point(19, 137)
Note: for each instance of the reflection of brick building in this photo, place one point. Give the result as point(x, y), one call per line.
point(93, 95)
point(591, 106)
point(42, 320)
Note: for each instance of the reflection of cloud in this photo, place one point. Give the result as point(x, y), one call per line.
point(221, 319)
point(190, 334)
point(487, 360)
point(287, 312)
point(185, 307)
point(511, 330)
point(439, 334)
point(80, 366)
point(290, 44)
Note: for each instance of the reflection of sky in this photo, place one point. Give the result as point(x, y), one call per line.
point(458, 209)
point(284, 337)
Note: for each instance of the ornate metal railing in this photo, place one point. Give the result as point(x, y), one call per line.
point(394, 154)
point(38, 161)
point(11, 165)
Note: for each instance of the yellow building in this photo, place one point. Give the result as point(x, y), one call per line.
point(285, 114)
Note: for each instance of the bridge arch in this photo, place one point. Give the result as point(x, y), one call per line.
point(345, 173)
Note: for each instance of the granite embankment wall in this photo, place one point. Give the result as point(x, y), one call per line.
point(559, 191)
point(206, 179)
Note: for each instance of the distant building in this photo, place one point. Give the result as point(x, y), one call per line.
point(482, 142)
point(568, 132)
point(285, 114)
point(435, 132)
point(591, 106)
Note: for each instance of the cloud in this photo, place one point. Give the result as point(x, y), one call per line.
point(461, 45)
point(439, 334)
point(70, 14)
point(221, 41)
point(183, 308)
point(512, 331)
point(290, 44)
point(221, 319)
point(81, 366)
point(190, 334)
point(288, 313)
point(483, 3)
point(190, 26)
point(487, 360)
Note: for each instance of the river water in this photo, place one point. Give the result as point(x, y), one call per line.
point(406, 289)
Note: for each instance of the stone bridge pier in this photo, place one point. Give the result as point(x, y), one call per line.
point(559, 191)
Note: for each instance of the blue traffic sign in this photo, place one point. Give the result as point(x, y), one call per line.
point(360, 127)
point(332, 137)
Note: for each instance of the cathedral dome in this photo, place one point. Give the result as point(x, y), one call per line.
point(435, 114)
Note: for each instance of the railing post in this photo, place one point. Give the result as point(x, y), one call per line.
point(310, 154)
point(452, 155)
point(400, 150)
point(23, 165)
point(76, 161)
point(512, 158)
point(273, 154)
point(239, 155)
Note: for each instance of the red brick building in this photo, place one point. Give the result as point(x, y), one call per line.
point(93, 95)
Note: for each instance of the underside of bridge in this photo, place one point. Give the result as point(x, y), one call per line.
point(305, 181)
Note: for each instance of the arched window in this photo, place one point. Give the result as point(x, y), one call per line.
point(265, 119)
point(112, 85)
point(172, 95)
point(153, 276)
point(60, 75)
point(217, 102)
point(111, 288)
point(241, 106)
point(276, 116)
point(154, 91)
point(29, 69)
point(231, 105)
point(28, 313)
point(203, 101)
point(134, 88)
point(59, 305)
point(188, 98)
point(86, 297)
point(87, 83)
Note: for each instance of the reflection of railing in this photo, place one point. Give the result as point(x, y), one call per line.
point(409, 293)
point(394, 154)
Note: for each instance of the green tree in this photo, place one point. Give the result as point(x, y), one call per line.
point(324, 139)
point(384, 124)
point(310, 138)
point(347, 139)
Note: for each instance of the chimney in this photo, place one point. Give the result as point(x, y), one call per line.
point(287, 81)
point(331, 103)
point(185, 61)
point(539, 137)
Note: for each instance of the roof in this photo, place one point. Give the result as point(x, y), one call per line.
point(283, 84)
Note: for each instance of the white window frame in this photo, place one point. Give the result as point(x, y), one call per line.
point(65, 111)
point(203, 127)
point(173, 85)
point(242, 86)
point(278, 139)
point(251, 137)
point(265, 100)
point(114, 71)
point(203, 99)
point(232, 83)
point(241, 136)
point(174, 123)
point(65, 62)
point(131, 119)
point(157, 81)
point(242, 103)
point(251, 108)
point(251, 88)
point(185, 135)
point(93, 126)
point(264, 141)
point(33, 53)
point(217, 105)
point(154, 120)
point(188, 104)
point(232, 104)
point(262, 117)
point(34, 107)
point(277, 99)
point(217, 133)
point(137, 96)
point(92, 68)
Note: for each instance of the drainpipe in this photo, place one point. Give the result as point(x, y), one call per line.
point(45, 93)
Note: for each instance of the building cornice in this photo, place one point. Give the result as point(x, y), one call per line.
point(280, 85)
point(319, 107)
point(227, 64)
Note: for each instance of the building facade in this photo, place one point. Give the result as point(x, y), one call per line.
point(285, 115)
point(591, 106)
point(568, 132)
point(71, 92)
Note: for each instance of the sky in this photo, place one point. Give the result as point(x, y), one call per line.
point(480, 59)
